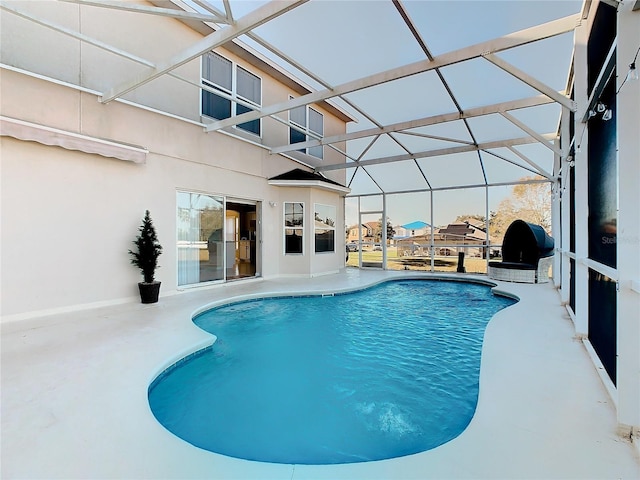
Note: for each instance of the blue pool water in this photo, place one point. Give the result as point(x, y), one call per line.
point(380, 373)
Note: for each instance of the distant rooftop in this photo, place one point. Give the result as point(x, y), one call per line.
point(417, 225)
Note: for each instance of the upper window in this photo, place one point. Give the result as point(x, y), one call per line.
point(237, 91)
point(310, 125)
point(325, 227)
point(293, 227)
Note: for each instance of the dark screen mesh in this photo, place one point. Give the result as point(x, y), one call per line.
point(602, 320)
point(603, 182)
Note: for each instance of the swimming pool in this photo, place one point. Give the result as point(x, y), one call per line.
point(379, 373)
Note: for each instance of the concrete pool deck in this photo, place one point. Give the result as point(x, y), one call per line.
point(74, 396)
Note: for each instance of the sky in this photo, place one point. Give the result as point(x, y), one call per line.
point(346, 40)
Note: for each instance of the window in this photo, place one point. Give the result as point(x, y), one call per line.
point(310, 125)
point(240, 91)
point(324, 227)
point(293, 227)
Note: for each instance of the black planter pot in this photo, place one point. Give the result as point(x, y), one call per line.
point(149, 292)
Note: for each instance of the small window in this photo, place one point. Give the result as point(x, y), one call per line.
point(217, 74)
point(324, 228)
point(307, 124)
point(238, 95)
point(316, 126)
point(293, 227)
point(248, 86)
point(298, 117)
point(249, 90)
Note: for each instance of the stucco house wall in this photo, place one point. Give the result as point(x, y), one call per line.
point(68, 216)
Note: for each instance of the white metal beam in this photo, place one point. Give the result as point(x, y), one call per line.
point(531, 132)
point(456, 187)
point(132, 7)
point(97, 43)
point(523, 37)
point(74, 34)
point(512, 162)
point(298, 66)
point(538, 168)
point(606, 71)
point(295, 127)
point(422, 122)
point(252, 20)
point(368, 147)
point(433, 153)
point(228, 11)
point(223, 17)
point(532, 82)
point(414, 31)
point(116, 51)
point(433, 137)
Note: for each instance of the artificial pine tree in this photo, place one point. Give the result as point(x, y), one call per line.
point(148, 249)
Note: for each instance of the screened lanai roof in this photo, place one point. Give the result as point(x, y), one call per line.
point(444, 94)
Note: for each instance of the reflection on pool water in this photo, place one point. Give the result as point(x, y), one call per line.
point(379, 373)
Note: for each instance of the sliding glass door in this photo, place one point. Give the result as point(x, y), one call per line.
point(200, 231)
point(217, 238)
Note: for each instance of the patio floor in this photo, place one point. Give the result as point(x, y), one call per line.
point(74, 397)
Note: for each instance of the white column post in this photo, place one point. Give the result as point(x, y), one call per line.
point(431, 242)
point(628, 234)
point(555, 210)
point(383, 240)
point(359, 232)
point(486, 226)
point(565, 205)
point(581, 188)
